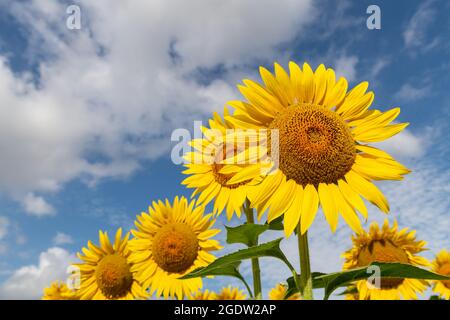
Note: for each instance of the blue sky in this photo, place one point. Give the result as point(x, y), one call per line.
point(86, 115)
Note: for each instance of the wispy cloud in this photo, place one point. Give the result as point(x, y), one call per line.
point(415, 33)
point(409, 92)
point(37, 206)
point(62, 238)
point(345, 66)
point(4, 227)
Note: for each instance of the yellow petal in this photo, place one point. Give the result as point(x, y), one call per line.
point(328, 205)
point(310, 205)
point(281, 200)
point(292, 215)
point(346, 210)
point(380, 134)
point(367, 189)
point(353, 198)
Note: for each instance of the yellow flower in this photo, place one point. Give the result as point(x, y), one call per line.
point(279, 293)
point(203, 295)
point(230, 293)
point(171, 241)
point(58, 290)
point(441, 265)
point(206, 169)
point(106, 272)
point(386, 245)
point(323, 132)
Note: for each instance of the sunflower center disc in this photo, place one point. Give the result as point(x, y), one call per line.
point(315, 144)
point(220, 154)
point(383, 251)
point(445, 270)
point(175, 247)
point(113, 276)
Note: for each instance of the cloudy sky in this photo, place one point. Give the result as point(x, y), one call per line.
point(86, 115)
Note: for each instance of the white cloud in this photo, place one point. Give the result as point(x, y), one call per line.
point(378, 66)
point(108, 95)
point(37, 206)
point(4, 227)
point(406, 144)
point(345, 66)
point(409, 93)
point(414, 34)
point(29, 281)
point(62, 238)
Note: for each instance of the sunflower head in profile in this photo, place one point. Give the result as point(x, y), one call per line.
point(172, 240)
point(58, 290)
point(441, 265)
point(386, 244)
point(321, 133)
point(230, 293)
point(203, 295)
point(280, 291)
point(206, 168)
point(106, 272)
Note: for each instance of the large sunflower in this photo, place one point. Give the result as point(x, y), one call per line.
point(171, 241)
point(58, 290)
point(441, 265)
point(387, 244)
point(323, 157)
point(106, 272)
point(207, 173)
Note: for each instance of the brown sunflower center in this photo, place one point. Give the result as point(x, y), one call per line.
point(383, 251)
point(445, 270)
point(175, 247)
point(315, 144)
point(113, 276)
point(222, 153)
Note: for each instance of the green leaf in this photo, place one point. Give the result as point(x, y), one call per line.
point(230, 270)
point(247, 233)
point(269, 249)
point(435, 297)
point(387, 270)
point(349, 290)
point(276, 224)
point(292, 288)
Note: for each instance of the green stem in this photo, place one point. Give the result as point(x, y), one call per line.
point(248, 287)
point(255, 262)
point(305, 266)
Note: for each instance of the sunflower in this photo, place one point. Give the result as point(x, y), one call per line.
point(387, 244)
point(58, 290)
point(441, 265)
point(171, 241)
point(230, 293)
point(203, 295)
point(206, 169)
point(106, 272)
point(322, 158)
point(279, 293)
